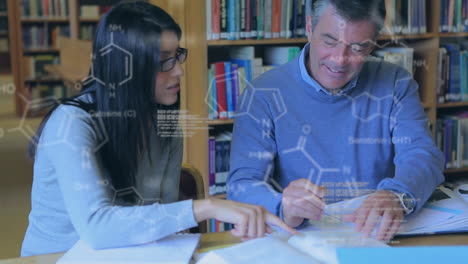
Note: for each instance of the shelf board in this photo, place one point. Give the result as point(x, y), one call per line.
point(453, 105)
point(256, 42)
point(456, 170)
point(89, 20)
point(407, 36)
point(304, 40)
point(219, 196)
point(3, 33)
point(44, 19)
point(3, 14)
point(448, 35)
point(41, 50)
point(219, 122)
point(43, 79)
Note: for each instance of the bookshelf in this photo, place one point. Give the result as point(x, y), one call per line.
point(5, 58)
point(203, 51)
point(65, 18)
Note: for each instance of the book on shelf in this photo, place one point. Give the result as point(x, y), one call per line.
point(45, 37)
point(3, 5)
point(452, 85)
point(87, 32)
point(405, 17)
point(218, 226)
point(255, 19)
point(218, 161)
point(453, 16)
point(228, 79)
point(452, 139)
point(398, 55)
point(44, 8)
point(34, 66)
point(43, 95)
point(3, 24)
point(4, 46)
point(93, 11)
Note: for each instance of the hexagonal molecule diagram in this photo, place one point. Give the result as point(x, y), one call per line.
point(316, 172)
point(367, 107)
point(249, 93)
point(113, 50)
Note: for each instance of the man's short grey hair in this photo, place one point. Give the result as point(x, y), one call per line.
point(350, 10)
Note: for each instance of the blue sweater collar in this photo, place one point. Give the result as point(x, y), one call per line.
point(312, 82)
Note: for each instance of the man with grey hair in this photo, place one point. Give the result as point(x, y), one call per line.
point(332, 123)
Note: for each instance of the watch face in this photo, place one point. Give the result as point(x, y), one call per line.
point(408, 202)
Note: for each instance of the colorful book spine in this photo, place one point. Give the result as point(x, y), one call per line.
point(221, 90)
point(229, 94)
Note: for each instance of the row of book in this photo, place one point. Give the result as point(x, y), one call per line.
point(44, 8)
point(93, 11)
point(452, 139)
point(34, 66)
point(227, 79)
point(255, 19)
point(453, 16)
point(219, 149)
point(452, 69)
point(405, 17)
point(3, 24)
point(3, 5)
point(87, 32)
point(4, 46)
point(37, 93)
point(37, 37)
point(398, 55)
point(218, 226)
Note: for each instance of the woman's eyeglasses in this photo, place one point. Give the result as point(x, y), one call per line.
point(168, 64)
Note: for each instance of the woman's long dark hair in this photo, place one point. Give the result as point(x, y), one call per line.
point(129, 29)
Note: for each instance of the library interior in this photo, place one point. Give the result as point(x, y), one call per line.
point(228, 58)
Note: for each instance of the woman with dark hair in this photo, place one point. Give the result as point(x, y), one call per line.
point(103, 172)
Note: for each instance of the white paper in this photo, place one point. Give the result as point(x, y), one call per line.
point(175, 249)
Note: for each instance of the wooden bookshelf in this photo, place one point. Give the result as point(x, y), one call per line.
point(3, 14)
point(456, 170)
point(40, 50)
point(453, 35)
point(187, 13)
point(453, 105)
point(45, 20)
point(220, 196)
point(220, 122)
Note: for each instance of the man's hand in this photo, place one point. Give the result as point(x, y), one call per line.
point(382, 207)
point(302, 199)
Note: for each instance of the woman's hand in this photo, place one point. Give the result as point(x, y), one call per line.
point(250, 221)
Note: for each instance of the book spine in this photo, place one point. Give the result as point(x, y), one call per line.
point(211, 165)
point(224, 22)
point(243, 19)
point(231, 20)
point(260, 19)
point(212, 114)
point(216, 19)
point(237, 14)
point(229, 94)
point(221, 90)
point(283, 19)
point(293, 27)
point(209, 18)
point(276, 19)
point(253, 19)
point(268, 18)
point(235, 86)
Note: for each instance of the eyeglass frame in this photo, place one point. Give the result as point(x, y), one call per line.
point(179, 51)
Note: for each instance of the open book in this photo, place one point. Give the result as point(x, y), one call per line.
point(309, 246)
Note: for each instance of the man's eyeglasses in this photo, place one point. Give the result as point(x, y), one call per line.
point(169, 63)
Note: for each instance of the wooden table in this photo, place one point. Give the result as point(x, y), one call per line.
point(210, 240)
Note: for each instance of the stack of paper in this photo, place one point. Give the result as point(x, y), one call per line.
point(176, 249)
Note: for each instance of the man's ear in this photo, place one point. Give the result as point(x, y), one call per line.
point(309, 27)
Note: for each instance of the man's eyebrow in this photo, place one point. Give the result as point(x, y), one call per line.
point(329, 36)
point(364, 44)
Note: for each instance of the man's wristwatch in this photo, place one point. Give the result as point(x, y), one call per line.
point(407, 202)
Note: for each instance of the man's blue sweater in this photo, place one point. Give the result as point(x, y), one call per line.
point(373, 135)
